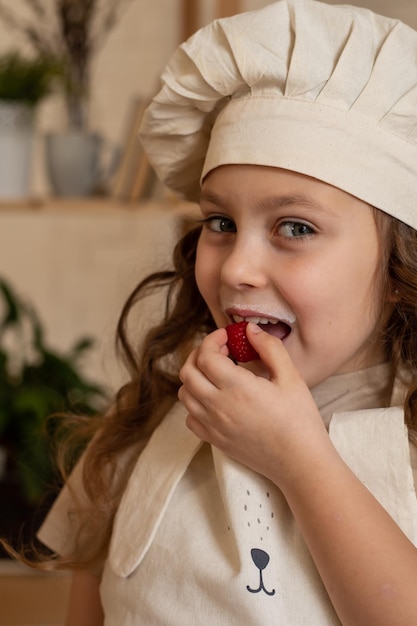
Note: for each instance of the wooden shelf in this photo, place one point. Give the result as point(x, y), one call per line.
point(95, 205)
point(29, 598)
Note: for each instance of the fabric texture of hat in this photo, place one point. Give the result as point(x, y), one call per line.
point(323, 90)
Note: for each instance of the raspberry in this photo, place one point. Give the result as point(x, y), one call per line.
point(239, 347)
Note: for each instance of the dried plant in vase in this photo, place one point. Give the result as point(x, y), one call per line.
point(72, 31)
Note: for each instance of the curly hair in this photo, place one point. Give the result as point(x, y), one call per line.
point(399, 333)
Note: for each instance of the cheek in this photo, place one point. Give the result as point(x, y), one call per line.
point(332, 291)
point(353, 294)
point(362, 285)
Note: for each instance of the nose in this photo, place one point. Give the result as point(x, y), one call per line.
point(245, 265)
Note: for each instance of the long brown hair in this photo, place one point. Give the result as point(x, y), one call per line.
point(154, 367)
point(139, 405)
point(400, 332)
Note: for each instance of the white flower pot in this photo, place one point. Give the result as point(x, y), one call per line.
point(73, 162)
point(16, 149)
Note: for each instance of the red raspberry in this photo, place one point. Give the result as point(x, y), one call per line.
point(239, 347)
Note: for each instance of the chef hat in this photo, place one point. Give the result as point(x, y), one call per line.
point(326, 91)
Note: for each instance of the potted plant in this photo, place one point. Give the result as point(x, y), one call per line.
point(26, 79)
point(73, 31)
point(35, 382)
point(24, 82)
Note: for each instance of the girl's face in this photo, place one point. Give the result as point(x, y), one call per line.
point(300, 257)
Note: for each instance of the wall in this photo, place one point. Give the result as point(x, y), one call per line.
point(77, 263)
point(405, 10)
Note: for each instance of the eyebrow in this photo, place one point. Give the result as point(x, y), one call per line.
point(285, 201)
point(273, 202)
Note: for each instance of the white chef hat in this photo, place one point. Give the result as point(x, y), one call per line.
point(327, 91)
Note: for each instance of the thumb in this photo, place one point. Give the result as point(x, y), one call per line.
point(271, 352)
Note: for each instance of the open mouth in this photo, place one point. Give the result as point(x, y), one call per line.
point(277, 328)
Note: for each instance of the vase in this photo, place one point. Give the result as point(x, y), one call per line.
point(16, 150)
point(73, 161)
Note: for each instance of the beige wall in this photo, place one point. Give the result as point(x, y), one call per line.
point(405, 10)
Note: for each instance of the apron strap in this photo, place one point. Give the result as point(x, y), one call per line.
point(157, 472)
point(374, 444)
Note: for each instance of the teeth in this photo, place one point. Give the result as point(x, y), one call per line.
point(267, 320)
point(255, 320)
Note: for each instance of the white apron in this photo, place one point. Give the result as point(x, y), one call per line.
point(202, 540)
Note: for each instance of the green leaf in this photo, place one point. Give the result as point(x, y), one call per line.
point(54, 383)
point(11, 315)
point(27, 80)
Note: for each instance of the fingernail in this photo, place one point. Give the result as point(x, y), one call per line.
point(254, 328)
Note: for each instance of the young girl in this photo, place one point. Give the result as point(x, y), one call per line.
point(279, 491)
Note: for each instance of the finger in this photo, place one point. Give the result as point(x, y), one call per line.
point(215, 343)
point(210, 358)
point(193, 378)
point(217, 338)
point(191, 403)
point(272, 353)
point(197, 428)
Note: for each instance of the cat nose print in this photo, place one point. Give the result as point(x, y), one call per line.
point(261, 560)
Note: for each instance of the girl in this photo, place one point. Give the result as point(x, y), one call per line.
point(279, 491)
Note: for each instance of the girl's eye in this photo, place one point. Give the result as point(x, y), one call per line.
point(219, 224)
point(294, 229)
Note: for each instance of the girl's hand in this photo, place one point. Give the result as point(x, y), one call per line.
point(270, 425)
